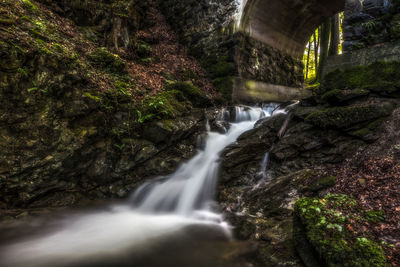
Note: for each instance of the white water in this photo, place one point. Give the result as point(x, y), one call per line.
point(160, 208)
point(239, 14)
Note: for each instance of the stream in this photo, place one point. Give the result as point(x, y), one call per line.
point(168, 221)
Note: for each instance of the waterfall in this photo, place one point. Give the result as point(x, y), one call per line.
point(191, 188)
point(158, 208)
point(241, 4)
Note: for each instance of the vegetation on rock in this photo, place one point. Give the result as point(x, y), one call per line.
point(343, 117)
point(379, 77)
point(328, 228)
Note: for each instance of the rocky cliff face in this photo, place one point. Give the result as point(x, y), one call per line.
point(77, 120)
point(369, 23)
point(316, 133)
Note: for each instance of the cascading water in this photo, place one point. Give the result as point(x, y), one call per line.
point(191, 187)
point(158, 208)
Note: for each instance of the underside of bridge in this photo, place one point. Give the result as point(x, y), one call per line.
point(266, 52)
point(287, 24)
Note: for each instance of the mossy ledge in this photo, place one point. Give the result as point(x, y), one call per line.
point(343, 117)
point(327, 227)
point(379, 77)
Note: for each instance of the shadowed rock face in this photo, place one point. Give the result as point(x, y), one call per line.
point(286, 24)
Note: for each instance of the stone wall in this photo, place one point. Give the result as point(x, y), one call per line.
point(258, 61)
point(208, 28)
point(386, 52)
point(370, 22)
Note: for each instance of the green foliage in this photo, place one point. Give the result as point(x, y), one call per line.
point(123, 87)
point(327, 231)
point(369, 25)
point(91, 96)
point(24, 72)
point(191, 92)
point(143, 118)
point(104, 60)
point(164, 105)
point(343, 117)
point(374, 215)
point(120, 147)
point(30, 5)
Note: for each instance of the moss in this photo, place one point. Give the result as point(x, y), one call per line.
point(343, 117)
point(379, 76)
point(28, 4)
point(164, 105)
point(368, 129)
point(91, 96)
point(146, 61)
point(218, 66)
point(143, 50)
point(337, 96)
point(191, 92)
point(104, 60)
point(323, 183)
point(7, 21)
point(224, 85)
point(327, 231)
point(313, 87)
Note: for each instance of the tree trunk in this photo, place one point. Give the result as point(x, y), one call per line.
point(335, 35)
point(308, 59)
point(325, 34)
point(316, 49)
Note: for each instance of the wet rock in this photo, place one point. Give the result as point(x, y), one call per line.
point(263, 213)
point(221, 127)
point(168, 131)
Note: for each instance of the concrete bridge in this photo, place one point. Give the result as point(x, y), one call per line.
point(265, 51)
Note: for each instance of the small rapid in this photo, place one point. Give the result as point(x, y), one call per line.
point(160, 209)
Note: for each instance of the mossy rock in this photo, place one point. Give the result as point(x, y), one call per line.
point(164, 105)
point(367, 132)
point(31, 6)
point(337, 96)
point(326, 229)
point(323, 183)
point(101, 58)
point(224, 85)
point(143, 50)
point(382, 77)
point(218, 66)
point(344, 117)
point(191, 92)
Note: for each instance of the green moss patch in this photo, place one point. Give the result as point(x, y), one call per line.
point(337, 96)
point(218, 66)
point(101, 58)
point(30, 5)
point(191, 92)
point(381, 77)
point(323, 183)
point(326, 223)
point(164, 105)
point(343, 117)
point(224, 85)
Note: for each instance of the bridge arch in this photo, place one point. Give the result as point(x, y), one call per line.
point(287, 24)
